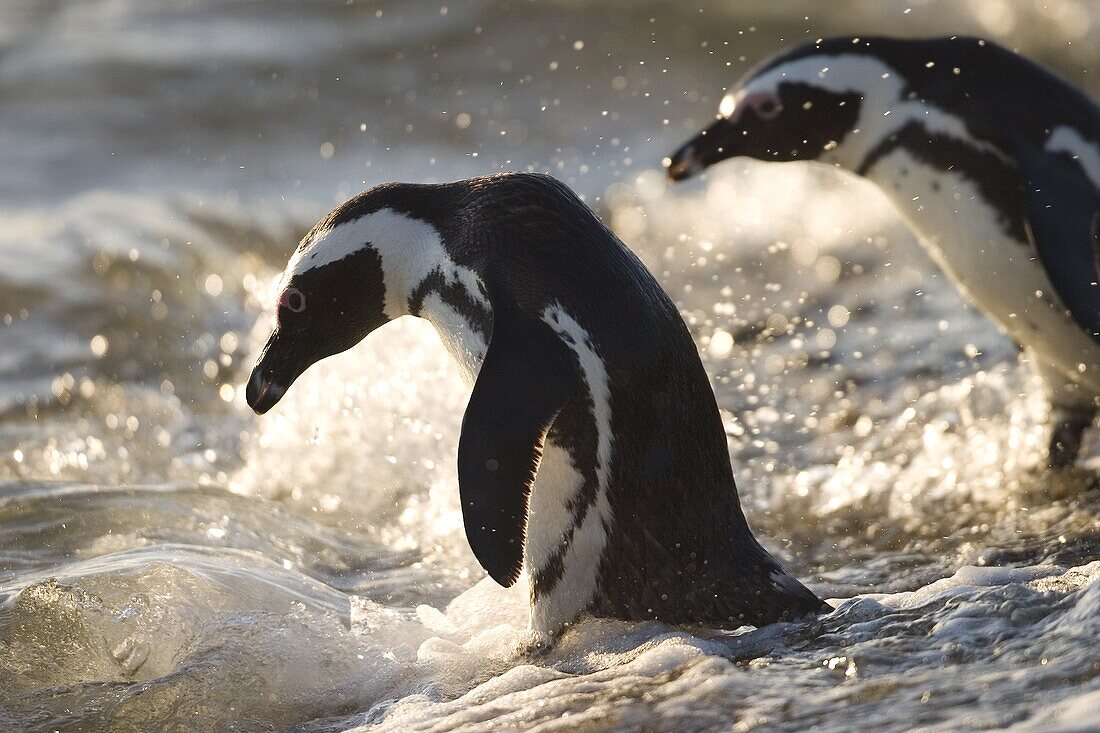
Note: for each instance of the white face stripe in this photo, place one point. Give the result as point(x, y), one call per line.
point(883, 111)
point(1068, 140)
point(410, 250)
point(581, 564)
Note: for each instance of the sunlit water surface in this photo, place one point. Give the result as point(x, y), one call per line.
point(170, 562)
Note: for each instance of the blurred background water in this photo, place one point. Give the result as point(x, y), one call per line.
point(170, 562)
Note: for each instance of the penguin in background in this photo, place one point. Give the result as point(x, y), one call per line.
point(993, 160)
point(592, 453)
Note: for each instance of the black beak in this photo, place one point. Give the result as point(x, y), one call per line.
point(684, 163)
point(263, 392)
point(273, 374)
point(704, 150)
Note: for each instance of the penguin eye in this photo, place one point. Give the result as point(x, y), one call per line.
point(293, 299)
point(768, 107)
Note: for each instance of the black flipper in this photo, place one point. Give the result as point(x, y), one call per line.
point(1062, 206)
point(527, 377)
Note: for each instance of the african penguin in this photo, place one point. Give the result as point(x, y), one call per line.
point(592, 453)
point(993, 160)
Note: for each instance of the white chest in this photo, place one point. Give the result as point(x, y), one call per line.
point(462, 340)
point(1004, 277)
point(961, 232)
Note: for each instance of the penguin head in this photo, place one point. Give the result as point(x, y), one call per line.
point(800, 105)
point(349, 276)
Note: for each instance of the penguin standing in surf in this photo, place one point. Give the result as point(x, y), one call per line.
point(992, 159)
point(592, 453)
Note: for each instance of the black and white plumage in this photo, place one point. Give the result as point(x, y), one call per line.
point(584, 373)
point(991, 158)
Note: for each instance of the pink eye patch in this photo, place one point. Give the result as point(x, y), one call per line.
point(765, 105)
point(293, 300)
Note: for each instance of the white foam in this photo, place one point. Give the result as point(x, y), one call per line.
point(965, 580)
point(1077, 714)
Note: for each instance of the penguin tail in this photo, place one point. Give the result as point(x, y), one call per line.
point(788, 599)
